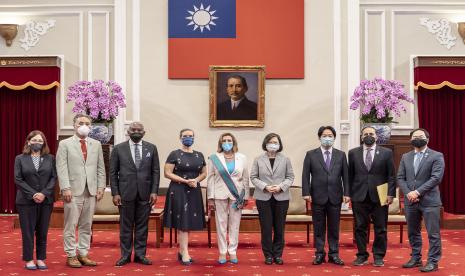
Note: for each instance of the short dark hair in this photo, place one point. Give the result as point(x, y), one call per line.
point(422, 129)
point(270, 136)
point(184, 130)
point(365, 127)
point(220, 141)
point(27, 150)
point(243, 80)
point(323, 128)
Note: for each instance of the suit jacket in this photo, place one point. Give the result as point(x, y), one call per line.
point(362, 181)
point(323, 184)
point(74, 172)
point(217, 189)
point(29, 181)
point(427, 179)
point(263, 175)
point(246, 110)
point(128, 181)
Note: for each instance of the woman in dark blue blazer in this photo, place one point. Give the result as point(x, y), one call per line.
point(35, 178)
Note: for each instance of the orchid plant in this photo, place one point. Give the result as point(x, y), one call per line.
point(100, 100)
point(379, 99)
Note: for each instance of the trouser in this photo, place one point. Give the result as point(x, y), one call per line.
point(326, 215)
point(227, 220)
point(78, 213)
point(134, 226)
point(272, 215)
point(364, 212)
point(431, 215)
point(34, 221)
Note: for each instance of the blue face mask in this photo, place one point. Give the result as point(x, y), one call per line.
point(327, 141)
point(227, 146)
point(187, 141)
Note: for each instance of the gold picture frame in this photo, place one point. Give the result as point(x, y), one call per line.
point(232, 107)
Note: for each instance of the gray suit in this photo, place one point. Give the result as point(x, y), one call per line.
point(272, 208)
point(426, 182)
point(263, 175)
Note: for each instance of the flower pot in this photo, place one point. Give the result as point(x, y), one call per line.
point(383, 132)
point(101, 132)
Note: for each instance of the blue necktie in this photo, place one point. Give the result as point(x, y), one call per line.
point(417, 161)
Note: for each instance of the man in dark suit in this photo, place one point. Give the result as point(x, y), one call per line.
point(328, 171)
point(238, 107)
point(419, 176)
point(134, 176)
point(369, 166)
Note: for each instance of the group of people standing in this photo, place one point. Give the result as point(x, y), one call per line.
point(328, 179)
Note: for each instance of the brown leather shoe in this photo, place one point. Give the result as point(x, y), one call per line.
point(86, 261)
point(73, 262)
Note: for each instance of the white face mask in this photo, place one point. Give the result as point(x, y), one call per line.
point(83, 130)
point(272, 147)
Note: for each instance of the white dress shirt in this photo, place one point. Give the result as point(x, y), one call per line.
point(365, 151)
point(323, 150)
point(235, 104)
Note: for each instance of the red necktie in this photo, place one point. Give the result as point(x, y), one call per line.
point(84, 148)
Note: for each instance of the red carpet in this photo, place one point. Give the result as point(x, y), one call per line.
point(297, 256)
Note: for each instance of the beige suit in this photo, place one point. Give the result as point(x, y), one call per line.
point(83, 178)
point(226, 216)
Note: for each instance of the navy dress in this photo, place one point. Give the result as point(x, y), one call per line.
point(184, 205)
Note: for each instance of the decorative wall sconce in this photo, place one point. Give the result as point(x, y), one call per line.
point(461, 30)
point(8, 32)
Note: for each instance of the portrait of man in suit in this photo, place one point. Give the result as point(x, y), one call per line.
point(81, 174)
point(238, 106)
point(370, 165)
point(420, 173)
point(134, 179)
point(325, 184)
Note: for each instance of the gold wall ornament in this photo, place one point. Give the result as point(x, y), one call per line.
point(8, 32)
point(461, 30)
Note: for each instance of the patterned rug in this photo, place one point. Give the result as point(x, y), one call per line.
point(297, 256)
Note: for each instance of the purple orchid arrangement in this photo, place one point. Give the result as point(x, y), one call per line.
point(101, 100)
point(378, 99)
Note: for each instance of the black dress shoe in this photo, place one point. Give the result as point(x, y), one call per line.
point(412, 263)
point(378, 262)
point(142, 260)
point(319, 259)
point(180, 258)
point(123, 260)
point(335, 260)
point(268, 261)
point(278, 261)
point(429, 267)
point(360, 261)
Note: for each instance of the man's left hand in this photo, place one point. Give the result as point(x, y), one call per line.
point(412, 196)
point(389, 200)
point(153, 199)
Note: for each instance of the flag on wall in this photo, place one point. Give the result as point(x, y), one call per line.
point(235, 32)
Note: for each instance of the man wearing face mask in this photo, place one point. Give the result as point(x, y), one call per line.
point(81, 174)
point(419, 176)
point(369, 166)
point(134, 178)
point(325, 184)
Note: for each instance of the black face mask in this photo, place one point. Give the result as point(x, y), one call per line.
point(35, 147)
point(136, 137)
point(419, 143)
point(368, 140)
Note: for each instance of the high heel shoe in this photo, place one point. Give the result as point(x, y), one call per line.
point(182, 262)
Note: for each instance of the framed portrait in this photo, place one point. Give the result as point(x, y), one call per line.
point(237, 96)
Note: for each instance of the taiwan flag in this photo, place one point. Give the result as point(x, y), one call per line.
point(235, 32)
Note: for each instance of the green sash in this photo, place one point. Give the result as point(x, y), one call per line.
point(229, 182)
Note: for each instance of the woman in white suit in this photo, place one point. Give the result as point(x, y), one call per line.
point(227, 192)
point(272, 175)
